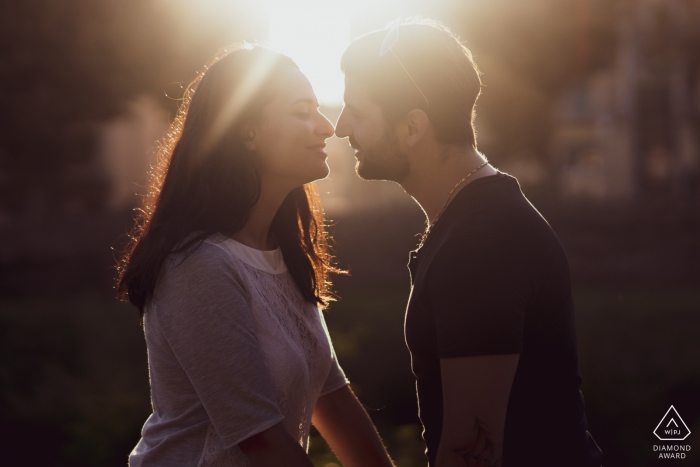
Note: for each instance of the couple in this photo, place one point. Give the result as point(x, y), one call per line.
point(229, 266)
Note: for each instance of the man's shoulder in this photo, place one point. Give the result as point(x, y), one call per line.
point(501, 211)
point(519, 243)
point(467, 249)
point(496, 204)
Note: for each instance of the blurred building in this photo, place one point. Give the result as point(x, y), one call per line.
point(633, 130)
point(128, 147)
point(61, 241)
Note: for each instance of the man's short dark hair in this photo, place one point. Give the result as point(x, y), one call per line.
point(438, 68)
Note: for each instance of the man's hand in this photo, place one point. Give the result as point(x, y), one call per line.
point(475, 399)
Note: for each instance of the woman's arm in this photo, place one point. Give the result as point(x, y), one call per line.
point(274, 447)
point(348, 430)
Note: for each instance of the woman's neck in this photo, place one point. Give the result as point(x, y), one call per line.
point(256, 232)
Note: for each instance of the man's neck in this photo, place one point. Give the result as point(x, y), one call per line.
point(434, 175)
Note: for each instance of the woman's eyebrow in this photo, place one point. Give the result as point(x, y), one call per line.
point(307, 100)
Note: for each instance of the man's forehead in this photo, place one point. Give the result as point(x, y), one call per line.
point(354, 92)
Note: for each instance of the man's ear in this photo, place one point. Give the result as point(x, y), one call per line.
point(416, 127)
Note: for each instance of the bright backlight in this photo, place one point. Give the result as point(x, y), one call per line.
point(314, 34)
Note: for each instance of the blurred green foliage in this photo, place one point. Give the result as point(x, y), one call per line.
point(73, 381)
point(73, 373)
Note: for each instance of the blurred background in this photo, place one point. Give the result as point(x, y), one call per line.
point(594, 105)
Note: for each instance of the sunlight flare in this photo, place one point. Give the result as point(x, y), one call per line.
point(314, 34)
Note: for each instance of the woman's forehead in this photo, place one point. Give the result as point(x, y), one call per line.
point(295, 88)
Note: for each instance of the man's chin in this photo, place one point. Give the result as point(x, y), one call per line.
point(371, 172)
point(365, 172)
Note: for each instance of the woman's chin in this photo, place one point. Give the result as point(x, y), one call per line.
point(321, 172)
point(326, 171)
point(311, 174)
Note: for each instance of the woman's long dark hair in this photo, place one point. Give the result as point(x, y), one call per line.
point(206, 182)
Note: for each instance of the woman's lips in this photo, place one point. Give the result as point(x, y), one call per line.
point(319, 148)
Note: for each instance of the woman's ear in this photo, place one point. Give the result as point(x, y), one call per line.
point(248, 135)
point(416, 127)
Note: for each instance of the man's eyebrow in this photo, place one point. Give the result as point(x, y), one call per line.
point(352, 107)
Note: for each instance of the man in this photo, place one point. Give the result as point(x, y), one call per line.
point(490, 319)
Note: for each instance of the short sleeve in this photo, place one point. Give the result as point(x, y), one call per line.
point(202, 309)
point(336, 378)
point(477, 290)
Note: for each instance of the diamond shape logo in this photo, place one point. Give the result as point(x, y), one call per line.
point(672, 427)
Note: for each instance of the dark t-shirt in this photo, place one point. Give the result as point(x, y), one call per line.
point(492, 278)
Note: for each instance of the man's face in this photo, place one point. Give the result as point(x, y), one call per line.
point(376, 149)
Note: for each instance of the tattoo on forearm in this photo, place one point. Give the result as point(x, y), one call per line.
point(481, 461)
point(485, 452)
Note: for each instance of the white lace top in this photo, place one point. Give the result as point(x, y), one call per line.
point(233, 349)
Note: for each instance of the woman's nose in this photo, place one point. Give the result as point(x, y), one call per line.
point(325, 127)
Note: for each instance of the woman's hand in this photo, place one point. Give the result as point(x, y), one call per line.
point(274, 447)
point(348, 430)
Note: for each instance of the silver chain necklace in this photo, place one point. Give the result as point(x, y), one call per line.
point(444, 206)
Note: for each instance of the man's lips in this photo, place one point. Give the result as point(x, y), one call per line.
point(354, 145)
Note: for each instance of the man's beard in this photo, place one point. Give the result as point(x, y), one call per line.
point(383, 161)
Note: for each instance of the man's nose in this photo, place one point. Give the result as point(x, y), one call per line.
point(342, 129)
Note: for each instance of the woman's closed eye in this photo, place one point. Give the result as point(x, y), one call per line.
point(303, 109)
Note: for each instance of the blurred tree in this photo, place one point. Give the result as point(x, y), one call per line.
point(67, 65)
point(528, 53)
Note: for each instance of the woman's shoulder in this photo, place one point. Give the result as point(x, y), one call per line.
point(206, 260)
point(201, 283)
point(203, 255)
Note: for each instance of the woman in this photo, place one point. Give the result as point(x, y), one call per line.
point(228, 265)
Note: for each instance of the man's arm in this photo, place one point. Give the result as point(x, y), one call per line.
point(475, 399)
point(348, 430)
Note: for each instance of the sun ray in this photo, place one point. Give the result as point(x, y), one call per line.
point(245, 90)
point(314, 34)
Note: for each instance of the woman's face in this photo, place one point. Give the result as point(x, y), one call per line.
point(289, 143)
